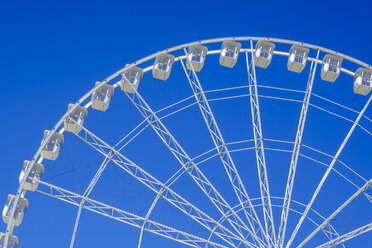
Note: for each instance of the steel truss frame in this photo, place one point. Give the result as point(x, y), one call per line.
point(260, 150)
point(320, 185)
point(189, 166)
point(159, 188)
point(126, 217)
point(222, 149)
point(347, 236)
point(295, 153)
point(237, 223)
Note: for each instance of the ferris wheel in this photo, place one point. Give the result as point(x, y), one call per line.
point(227, 157)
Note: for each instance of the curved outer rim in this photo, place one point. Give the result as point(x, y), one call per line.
point(21, 192)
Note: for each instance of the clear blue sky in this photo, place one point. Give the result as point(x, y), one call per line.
point(51, 53)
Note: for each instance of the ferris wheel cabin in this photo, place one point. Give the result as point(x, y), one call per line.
point(229, 53)
point(196, 57)
point(163, 66)
point(20, 210)
point(263, 53)
point(76, 119)
point(363, 81)
point(32, 181)
point(102, 96)
point(331, 67)
point(12, 242)
point(52, 148)
point(131, 79)
point(297, 58)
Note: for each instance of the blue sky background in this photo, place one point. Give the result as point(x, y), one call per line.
point(51, 53)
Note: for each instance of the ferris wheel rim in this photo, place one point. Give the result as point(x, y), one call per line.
point(36, 157)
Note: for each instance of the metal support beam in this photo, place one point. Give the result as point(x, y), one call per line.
point(87, 192)
point(295, 153)
point(347, 236)
point(188, 164)
point(260, 150)
point(335, 158)
point(126, 217)
point(222, 149)
point(326, 222)
point(155, 185)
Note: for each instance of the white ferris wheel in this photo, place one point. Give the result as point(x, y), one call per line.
point(226, 156)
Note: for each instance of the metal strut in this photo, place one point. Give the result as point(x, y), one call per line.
point(126, 217)
point(188, 164)
point(295, 153)
point(260, 150)
point(335, 158)
point(347, 236)
point(155, 185)
point(326, 222)
point(222, 149)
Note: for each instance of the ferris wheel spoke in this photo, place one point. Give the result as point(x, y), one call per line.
point(188, 164)
point(347, 202)
point(260, 150)
point(126, 217)
point(221, 147)
point(295, 153)
point(335, 158)
point(350, 235)
point(87, 192)
point(155, 185)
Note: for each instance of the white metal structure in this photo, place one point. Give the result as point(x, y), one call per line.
point(239, 219)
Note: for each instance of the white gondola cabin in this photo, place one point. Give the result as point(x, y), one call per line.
point(297, 58)
point(363, 81)
point(76, 119)
point(32, 181)
point(102, 96)
point(263, 53)
point(131, 79)
point(12, 241)
point(229, 53)
point(331, 67)
point(196, 56)
point(163, 66)
point(20, 210)
point(52, 148)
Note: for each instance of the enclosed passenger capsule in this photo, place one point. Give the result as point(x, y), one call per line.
point(76, 119)
point(130, 79)
point(12, 241)
point(20, 210)
point(331, 67)
point(229, 53)
point(363, 81)
point(196, 56)
point(297, 58)
point(263, 53)
point(163, 66)
point(102, 96)
point(52, 148)
point(32, 181)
